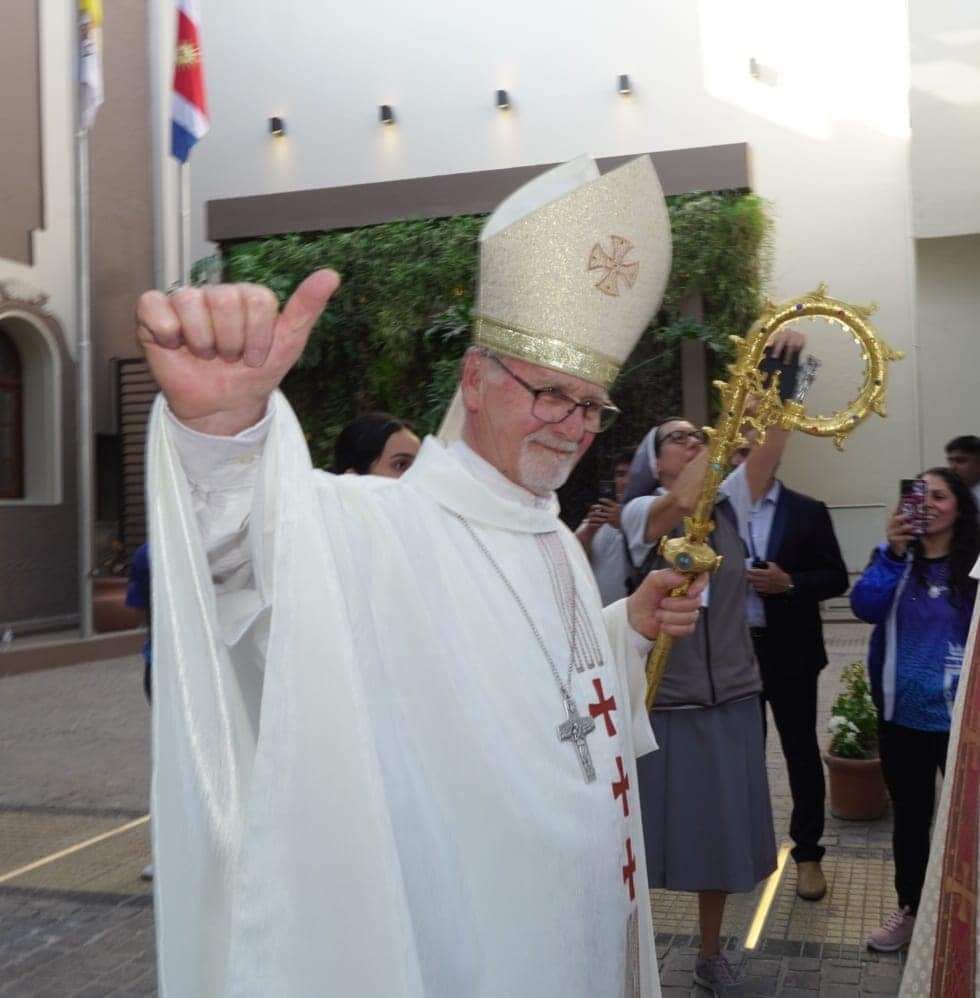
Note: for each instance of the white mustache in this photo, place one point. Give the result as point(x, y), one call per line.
point(555, 443)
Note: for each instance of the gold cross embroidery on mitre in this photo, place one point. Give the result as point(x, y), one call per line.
point(614, 265)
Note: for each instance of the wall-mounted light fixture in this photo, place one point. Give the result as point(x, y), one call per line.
point(386, 114)
point(277, 125)
point(503, 100)
point(763, 73)
point(623, 85)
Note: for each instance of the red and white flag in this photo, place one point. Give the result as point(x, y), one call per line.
point(189, 106)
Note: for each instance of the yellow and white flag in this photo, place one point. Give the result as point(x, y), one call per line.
point(90, 59)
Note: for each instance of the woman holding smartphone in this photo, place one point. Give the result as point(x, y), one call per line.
point(918, 593)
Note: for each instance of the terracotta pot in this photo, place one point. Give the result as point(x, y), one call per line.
point(857, 788)
point(109, 610)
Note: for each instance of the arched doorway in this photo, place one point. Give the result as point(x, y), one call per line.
point(11, 420)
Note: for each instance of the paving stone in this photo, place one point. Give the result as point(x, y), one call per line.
point(880, 985)
point(761, 967)
point(841, 973)
point(884, 970)
point(682, 961)
point(803, 964)
point(782, 947)
point(796, 979)
point(839, 991)
point(761, 986)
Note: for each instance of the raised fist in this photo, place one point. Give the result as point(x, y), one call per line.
point(219, 351)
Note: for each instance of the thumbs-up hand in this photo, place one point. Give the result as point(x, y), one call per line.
point(218, 352)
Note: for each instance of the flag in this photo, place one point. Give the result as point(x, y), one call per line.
point(189, 107)
point(90, 59)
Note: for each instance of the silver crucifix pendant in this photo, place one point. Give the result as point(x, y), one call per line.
point(575, 730)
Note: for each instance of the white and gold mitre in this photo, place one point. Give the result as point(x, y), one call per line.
point(573, 266)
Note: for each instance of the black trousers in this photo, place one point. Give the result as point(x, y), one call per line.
point(791, 692)
point(910, 760)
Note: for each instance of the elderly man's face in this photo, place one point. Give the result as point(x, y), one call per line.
point(502, 428)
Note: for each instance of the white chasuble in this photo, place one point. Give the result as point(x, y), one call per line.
point(359, 788)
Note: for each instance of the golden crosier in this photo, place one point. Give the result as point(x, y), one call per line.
point(691, 554)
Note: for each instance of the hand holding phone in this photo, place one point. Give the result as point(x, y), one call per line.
point(907, 523)
point(607, 489)
point(912, 504)
point(605, 511)
point(788, 368)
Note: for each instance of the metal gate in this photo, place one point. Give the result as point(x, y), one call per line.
point(135, 391)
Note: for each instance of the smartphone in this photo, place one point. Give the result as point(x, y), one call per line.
point(607, 490)
point(912, 503)
point(788, 371)
point(759, 563)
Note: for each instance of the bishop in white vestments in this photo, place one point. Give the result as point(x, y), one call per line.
point(395, 731)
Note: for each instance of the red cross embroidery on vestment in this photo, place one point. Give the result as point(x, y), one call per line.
point(630, 869)
point(620, 787)
point(604, 707)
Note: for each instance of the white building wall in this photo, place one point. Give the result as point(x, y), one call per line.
point(945, 109)
point(949, 329)
point(826, 119)
point(53, 270)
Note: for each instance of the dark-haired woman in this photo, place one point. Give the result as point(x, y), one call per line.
point(375, 444)
point(918, 593)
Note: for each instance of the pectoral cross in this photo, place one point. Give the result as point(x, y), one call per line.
point(575, 730)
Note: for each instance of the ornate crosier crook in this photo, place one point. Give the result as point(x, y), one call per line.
point(691, 554)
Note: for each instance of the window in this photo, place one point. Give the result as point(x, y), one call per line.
point(11, 421)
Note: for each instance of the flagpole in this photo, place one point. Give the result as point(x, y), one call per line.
point(180, 223)
point(85, 428)
point(184, 207)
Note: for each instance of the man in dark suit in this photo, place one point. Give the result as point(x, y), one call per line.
point(794, 563)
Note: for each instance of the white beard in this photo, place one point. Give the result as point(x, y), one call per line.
point(542, 471)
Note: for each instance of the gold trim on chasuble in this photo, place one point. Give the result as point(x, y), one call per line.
point(632, 988)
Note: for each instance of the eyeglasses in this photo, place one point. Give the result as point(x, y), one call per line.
point(682, 436)
point(553, 406)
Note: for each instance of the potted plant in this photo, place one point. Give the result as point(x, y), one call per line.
point(857, 787)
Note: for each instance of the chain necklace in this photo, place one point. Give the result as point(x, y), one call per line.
point(576, 727)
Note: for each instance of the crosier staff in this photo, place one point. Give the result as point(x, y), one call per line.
point(690, 553)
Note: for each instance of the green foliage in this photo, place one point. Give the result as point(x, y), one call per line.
point(392, 336)
point(853, 718)
point(394, 333)
point(722, 254)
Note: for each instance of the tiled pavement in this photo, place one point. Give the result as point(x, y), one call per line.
point(76, 766)
point(75, 749)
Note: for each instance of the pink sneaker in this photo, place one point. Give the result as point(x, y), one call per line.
point(894, 934)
